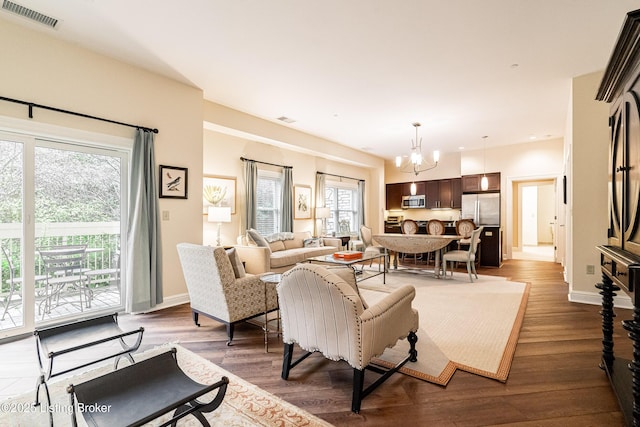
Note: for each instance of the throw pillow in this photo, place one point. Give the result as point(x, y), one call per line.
point(257, 237)
point(312, 243)
point(238, 268)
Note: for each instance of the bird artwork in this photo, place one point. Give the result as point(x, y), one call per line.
point(173, 184)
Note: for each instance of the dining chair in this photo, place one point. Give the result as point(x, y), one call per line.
point(102, 279)
point(467, 256)
point(64, 267)
point(409, 226)
point(464, 227)
point(435, 227)
point(369, 247)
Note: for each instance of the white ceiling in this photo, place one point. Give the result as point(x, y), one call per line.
point(360, 72)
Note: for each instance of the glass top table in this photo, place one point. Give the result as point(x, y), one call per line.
point(330, 259)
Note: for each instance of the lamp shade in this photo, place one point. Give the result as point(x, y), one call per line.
point(323, 212)
point(219, 214)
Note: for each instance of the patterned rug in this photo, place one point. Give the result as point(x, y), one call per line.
point(473, 327)
point(244, 404)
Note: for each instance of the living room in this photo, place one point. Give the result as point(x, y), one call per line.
point(209, 139)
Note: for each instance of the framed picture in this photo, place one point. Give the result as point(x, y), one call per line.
point(218, 191)
point(301, 202)
point(173, 182)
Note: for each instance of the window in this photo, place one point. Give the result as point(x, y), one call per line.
point(269, 195)
point(342, 199)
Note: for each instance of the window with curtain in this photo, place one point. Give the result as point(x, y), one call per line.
point(269, 193)
point(342, 199)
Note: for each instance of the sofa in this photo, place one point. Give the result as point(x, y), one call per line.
point(280, 252)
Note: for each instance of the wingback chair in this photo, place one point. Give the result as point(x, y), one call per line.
point(216, 292)
point(321, 310)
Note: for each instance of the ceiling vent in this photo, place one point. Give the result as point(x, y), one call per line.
point(286, 119)
point(30, 14)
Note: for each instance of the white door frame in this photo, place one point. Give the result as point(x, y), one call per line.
point(509, 208)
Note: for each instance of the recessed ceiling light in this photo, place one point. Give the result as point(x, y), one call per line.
point(514, 65)
point(532, 137)
point(460, 148)
point(286, 119)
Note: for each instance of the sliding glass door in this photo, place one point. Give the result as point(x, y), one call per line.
point(61, 230)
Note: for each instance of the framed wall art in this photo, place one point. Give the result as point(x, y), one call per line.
point(218, 191)
point(173, 182)
point(301, 202)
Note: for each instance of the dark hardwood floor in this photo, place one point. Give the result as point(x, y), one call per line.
point(554, 379)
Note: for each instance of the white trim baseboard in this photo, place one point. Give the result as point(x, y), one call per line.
point(621, 300)
point(171, 301)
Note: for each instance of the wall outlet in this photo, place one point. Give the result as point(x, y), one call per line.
point(165, 215)
point(591, 269)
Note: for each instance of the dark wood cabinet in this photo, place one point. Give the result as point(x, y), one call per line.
point(620, 259)
point(491, 247)
point(442, 193)
point(394, 196)
point(471, 183)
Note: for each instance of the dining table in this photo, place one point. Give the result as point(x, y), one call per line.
point(416, 244)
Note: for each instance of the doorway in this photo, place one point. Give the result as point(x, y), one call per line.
point(534, 220)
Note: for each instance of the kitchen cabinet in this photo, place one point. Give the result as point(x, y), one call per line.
point(491, 247)
point(444, 193)
point(394, 196)
point(471, 183)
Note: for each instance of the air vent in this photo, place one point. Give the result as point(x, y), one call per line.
point(286, 119)
point(30, 14)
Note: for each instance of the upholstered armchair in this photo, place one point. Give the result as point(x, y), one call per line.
point(321, 310)
point(220, 289)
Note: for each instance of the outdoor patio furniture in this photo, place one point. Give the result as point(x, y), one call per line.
point(13, 295)
point(64, 267)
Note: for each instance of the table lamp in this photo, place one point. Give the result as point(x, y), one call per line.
point(323, 213)
point(219, 214)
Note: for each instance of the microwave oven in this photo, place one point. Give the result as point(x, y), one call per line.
point(413, 202)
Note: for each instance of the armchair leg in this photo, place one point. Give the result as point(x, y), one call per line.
point(413, 353)
point(195, 317)
point(229, 333)
point(358, 385)
point(286, 360)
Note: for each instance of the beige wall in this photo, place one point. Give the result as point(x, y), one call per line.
point(232, 134)
point(39, 69)
point(588, 209)
point(222, 154)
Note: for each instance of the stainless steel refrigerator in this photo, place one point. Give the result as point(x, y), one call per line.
point(483, 209)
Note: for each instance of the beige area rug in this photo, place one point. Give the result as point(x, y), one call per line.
point(473, 327)
point(244, 404)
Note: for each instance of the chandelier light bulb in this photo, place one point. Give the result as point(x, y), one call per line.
point(415, 161)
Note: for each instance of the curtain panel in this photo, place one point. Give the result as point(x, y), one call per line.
point(144, 253)
point(286, 217)
point(250, 185)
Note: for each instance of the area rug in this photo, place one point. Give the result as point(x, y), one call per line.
point(473, 327)
point(244, 404)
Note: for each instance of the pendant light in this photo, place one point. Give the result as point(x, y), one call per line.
point(484, 182)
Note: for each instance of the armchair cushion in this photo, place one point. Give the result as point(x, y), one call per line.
point(257, 238)
point(238, 268)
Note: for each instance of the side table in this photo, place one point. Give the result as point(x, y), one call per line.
point(270, 280)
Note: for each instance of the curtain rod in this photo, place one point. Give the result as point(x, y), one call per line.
point(244, 159)
point(340, 176)
point(31, 105)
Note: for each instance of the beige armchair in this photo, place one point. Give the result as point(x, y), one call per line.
point(216, 292)
point(321, 310)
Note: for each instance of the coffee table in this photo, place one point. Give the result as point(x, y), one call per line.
point(382, 260)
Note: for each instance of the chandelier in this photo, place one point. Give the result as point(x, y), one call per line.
point(415, 162)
